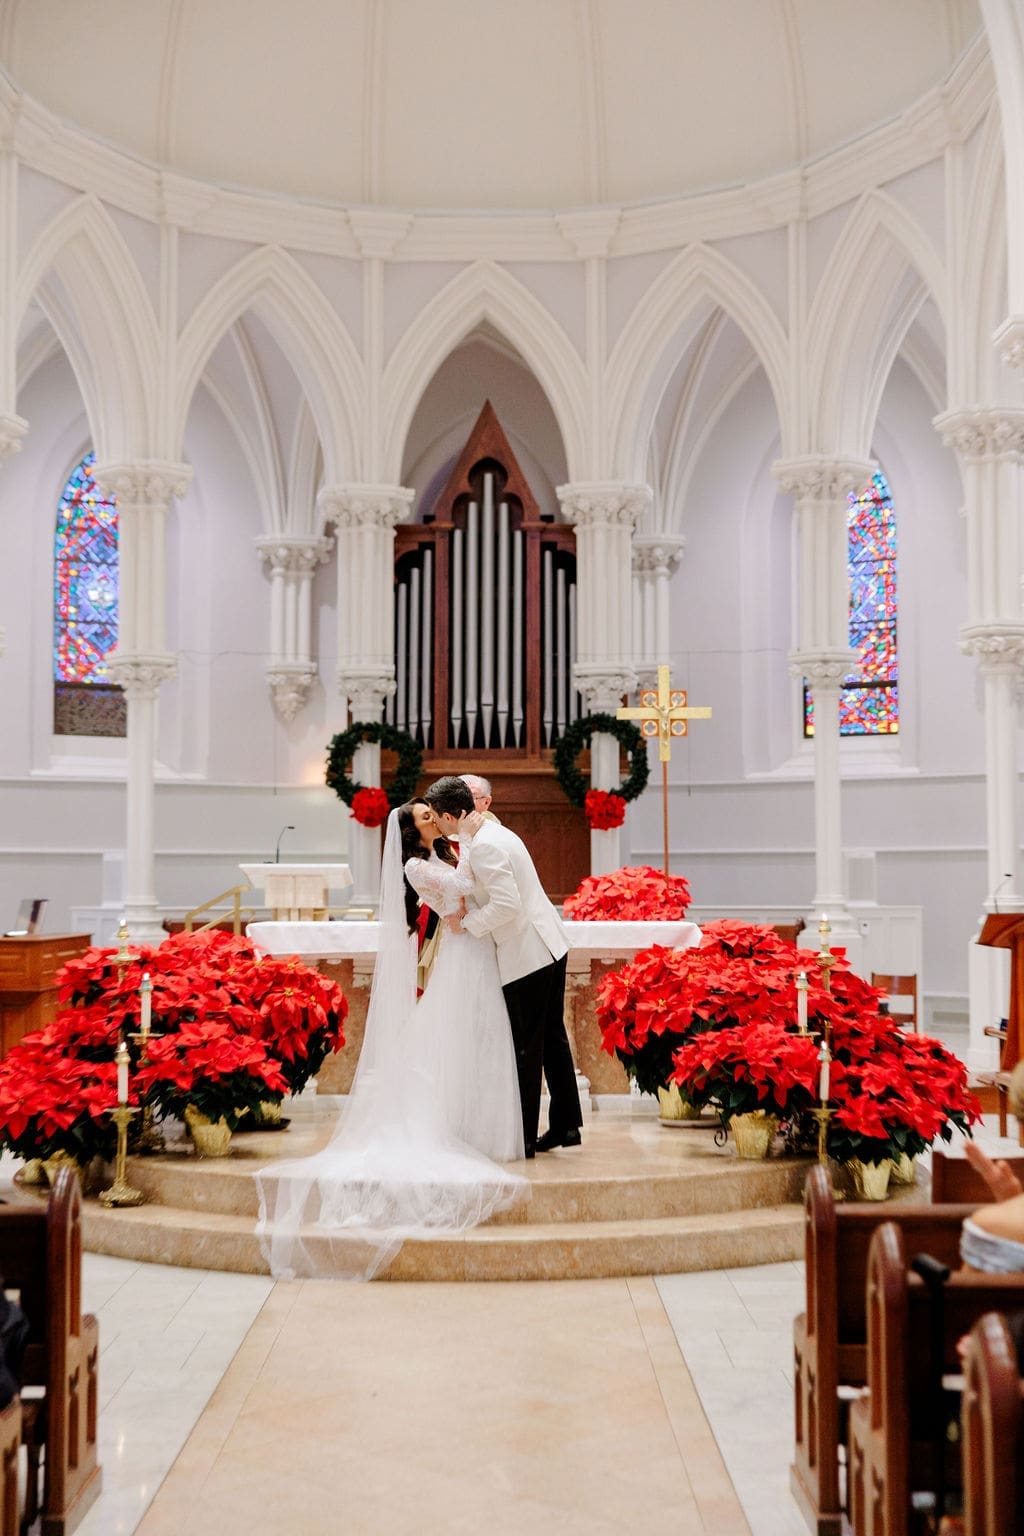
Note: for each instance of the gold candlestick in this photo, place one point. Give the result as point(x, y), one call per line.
point(826, 959)
point(124, 955)
point(121, 1192)
point(150, 1138)
point(823, 1114)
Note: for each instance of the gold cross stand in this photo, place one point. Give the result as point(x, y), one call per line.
point(664, 713)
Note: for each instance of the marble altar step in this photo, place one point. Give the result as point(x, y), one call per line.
point(530, 1251)
point(635, 1199)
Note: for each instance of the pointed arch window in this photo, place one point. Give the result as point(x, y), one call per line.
point(869, 705)
point(85, 609)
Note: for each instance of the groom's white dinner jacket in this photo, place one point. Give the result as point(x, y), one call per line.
point(509, 903)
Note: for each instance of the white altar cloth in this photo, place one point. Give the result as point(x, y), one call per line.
point(334, 941)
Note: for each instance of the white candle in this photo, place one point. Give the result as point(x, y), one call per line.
point(801, 1002)
point(146, 1006)
point(122, 1075)
point(824, 1074)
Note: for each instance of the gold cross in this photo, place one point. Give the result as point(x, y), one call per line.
point(664, 713)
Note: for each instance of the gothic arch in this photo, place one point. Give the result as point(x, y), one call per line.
point(484, 291)
point(635, 385)
point(1004, 27)
point(853, 335)
point(106, 324)
point(308, 331)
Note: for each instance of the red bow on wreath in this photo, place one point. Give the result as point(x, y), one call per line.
point(604, 809)
point(370, 806)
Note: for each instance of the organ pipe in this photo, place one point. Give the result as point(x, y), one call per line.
point(456, 597)
point(487, 611)
point(427, 689)
point(402, 705)
point(561, 627)
point(503, 616)
point(517, 637)
point(472, 617)
point(548, 588)
point(413, 717)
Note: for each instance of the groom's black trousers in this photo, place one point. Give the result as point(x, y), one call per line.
point(535, 1009)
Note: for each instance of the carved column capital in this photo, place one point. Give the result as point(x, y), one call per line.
point(998, 647)
point(297, 554)
point(145, 484)
point(367, 689)
point(984, 432)
point(141, 676)
point(823, 669)
point(604, 503)
point(657, 554)
point(289, 684)
point(362, 506)
point(817, 478)
point(12, 431)
point(603, 686)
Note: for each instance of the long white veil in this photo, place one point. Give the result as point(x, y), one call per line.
point(392, 1170)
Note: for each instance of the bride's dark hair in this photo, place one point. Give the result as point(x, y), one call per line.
point(412, 848)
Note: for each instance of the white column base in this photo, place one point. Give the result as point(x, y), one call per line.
point(145, 925)
point(605, 851)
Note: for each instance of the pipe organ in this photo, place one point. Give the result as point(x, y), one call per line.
point(485, 613)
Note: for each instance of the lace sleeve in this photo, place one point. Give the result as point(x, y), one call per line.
point(438, 884)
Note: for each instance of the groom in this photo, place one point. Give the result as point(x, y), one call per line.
point(511, 906)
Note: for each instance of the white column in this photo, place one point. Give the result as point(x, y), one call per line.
point(364, 518)
point(820, 487)
point(144, 491)
point(989, 443)
point(291, 563)
point(655, 559)
point(605, 514)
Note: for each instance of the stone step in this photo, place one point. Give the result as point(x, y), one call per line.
point(566, 1188)
point(507, 1251)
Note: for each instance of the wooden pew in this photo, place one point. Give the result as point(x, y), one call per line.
point(955, 1181)
point(992, 1429)
point(41, 1258)
point(830, 1337)
point(10, 1445)
point(891, 1435)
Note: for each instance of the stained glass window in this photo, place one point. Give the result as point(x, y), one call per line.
point(85, 608)
point(869, 705)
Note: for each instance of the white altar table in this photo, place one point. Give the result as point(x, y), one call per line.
point(347, 949)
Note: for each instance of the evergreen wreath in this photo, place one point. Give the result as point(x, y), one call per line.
point(577, 736)
point(342, 748)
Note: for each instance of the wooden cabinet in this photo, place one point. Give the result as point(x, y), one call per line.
point(28, 973)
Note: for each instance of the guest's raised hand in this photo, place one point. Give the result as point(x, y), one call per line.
point(998, 1174)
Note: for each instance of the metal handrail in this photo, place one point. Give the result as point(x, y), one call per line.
point(237, 911)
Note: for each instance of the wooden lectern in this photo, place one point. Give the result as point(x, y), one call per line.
point(1005, 930)
point(28, 972)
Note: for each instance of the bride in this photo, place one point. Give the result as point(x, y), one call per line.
point(435, 1100)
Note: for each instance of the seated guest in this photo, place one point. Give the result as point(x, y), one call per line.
point(993, 1235)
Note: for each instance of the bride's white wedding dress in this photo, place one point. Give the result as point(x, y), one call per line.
point(435, 1098)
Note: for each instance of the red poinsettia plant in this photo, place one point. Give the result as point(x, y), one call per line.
point(636, 894)
point(210, 1065)
point(763, 1066)
point(603, 809)
point(52, 1103)
point(719, 1022)
point(370, 806)
point(268, 1025)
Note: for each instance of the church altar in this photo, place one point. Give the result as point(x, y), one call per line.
point(346, 950)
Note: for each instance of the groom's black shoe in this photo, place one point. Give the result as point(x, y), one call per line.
point(552, 1139)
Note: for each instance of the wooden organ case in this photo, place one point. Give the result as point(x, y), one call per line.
point(485, 639)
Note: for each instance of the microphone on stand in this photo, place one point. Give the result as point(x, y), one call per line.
point(277, 850)
point(995, 893)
